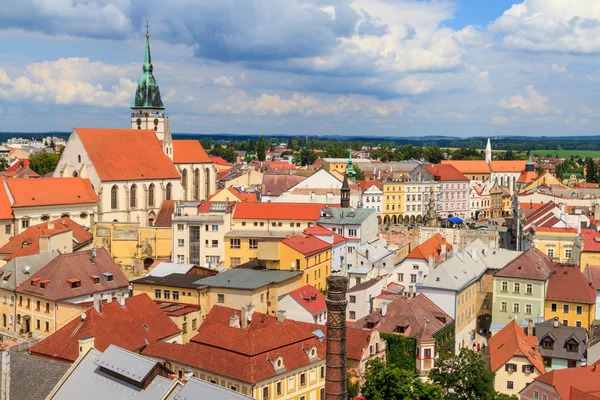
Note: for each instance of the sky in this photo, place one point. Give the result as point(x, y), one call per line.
point(307, 67)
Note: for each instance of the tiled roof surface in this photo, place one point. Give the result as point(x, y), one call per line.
point(310, 298)
point(445, 172)
point(560, 334)
point(141, 321)
point(567, 283)
point(283, 211)
point(189, 152)
point(584, 379)
point(592, 273)
point(110, 151)
point(164, 217)
point(5, 207)
point(239, 195)
point(549, 229)
point(307, 245)
point(246, 355)
point(430, 247)
point(527, 176)
point(532, 264)
point(512, 341)
point(364, 285)
point(364, 185)
point(591, 240)
point(508, 165)
point(176, 309)
point(51, 191)
point(275, 185)
point(220, 161)
point(469, 166)
point(76, 266)
point(357, 340)
point(318, 230)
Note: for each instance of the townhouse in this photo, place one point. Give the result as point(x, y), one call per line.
point(454, 190)
point(306, 304)
point(561, 346)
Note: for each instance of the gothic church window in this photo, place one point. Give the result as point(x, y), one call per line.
point(133, 196)
point(151, 195)
point(169, 190)
point(114, 193)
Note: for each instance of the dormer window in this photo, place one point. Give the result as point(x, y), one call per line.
point(74, 282)
point(108, 276)
point(400, 329)
point(34, 281)
point(548, 343)
point(95, 279)
point(572, 346)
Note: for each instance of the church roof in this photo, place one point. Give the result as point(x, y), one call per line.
point(147, 94)
point(126, 154)
point(189, 152)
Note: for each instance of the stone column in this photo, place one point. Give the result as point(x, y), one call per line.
point(335, 383)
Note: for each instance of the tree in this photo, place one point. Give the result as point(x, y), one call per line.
point(252, 145)
point(509, 155)
point(591, 171)
point(43, 163)
point(261, 149)
point(295, 145)
point(464, 376)
point(384, 382)
point(434, 154)
point(226, 153)
point(360, 176)
point(206, 143)
point(305, 157)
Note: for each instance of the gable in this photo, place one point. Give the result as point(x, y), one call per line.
point(322, 179)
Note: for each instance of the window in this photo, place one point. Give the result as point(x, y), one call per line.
point(25, 223)
point(529, 288)
point(352, 232)
point(565, 308)
point(547, 343)
point(265, 393)
point(151, 195)
point(551, 253)
point(167, 294)
point(536, 395)
point(212, 260)
point(175, 295)
point(220, 298)
point(279, 388)
point(38, 305)
point(400, 277)
point(503, 306)
point(180, 242)
point(215, 228)
point(413, 278)
point(180, 258)
point(179, 227)
point(234, 262)
point(565, 322)
point(37, 324)
point(544, 397)
point(253, 243)
point(568, 253)
point(234, 243)
point(505, 286)
point(415, 266)
point(47, 308)
point(7, 229)
point(509, 367)
point(516, 287)
point(114, 195)
point(12, 300)
point(350, 249)
point(578, 324)
point(215, 244)
point(527, 308)
point(352, 315)
point(579, 310)
point(553, 307)
point(168, 191)
point(352, 299)
point(184, 327)
point(572, 346)
point(133, 196)
point(303, 379)
point(322, 374)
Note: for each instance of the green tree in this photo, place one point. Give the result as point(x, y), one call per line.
point(226, 153)
point(434, 154)
point(337, 151)
point(509, 155)
point(464, 376)
point(252, 145)
point(384, 382)
point(206, 143)
point(43, 163)
point(305, 157)
point(3, 164)
point(295, 145)
point(591, 171)
point(261, 149)
point(359, 174)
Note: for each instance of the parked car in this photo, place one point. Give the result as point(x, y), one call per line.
point(483, 228)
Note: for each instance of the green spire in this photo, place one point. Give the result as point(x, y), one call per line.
point(350, 170)
point(529, 160)
point(147, 94)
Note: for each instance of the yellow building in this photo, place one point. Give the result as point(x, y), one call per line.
point(341, 164)
point(133, 247)
point(187, 318)
point(506, 204)
point(545, 179)
point(570, 298)
point(590, 248)
point(250, 361)
point(557, 243)
point(496, 193)
point(393, 199)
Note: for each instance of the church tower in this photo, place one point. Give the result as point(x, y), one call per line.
point(147, 111)
point(167, 143)
point(345, 193)
point(488, 152)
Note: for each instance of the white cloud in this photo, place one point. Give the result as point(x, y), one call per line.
point(551, 26)
point(499, 120)
point(559, 69)
point(223, 81)
point(533, 103)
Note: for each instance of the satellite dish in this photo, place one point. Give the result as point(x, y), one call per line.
point(27, 268)
point(293, 265)
point(83, 316)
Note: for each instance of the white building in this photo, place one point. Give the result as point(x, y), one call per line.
point(306, 304)
point(370, 260)
point(372, 196)
point(361, 297)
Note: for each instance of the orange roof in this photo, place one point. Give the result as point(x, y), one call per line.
point(511, 341)
point(310, 298)
point(239, 195)
point(445, 172)
point(126, 154)
point(283, 211)
point(509, 166)
point(469, 166)
point(527, 177)
point(568, 381)
point(568, 284)
point(430, 247)
point(189, 152)
point(307, 245)
point(28, 192)
point(220, 161)
point(5, 208)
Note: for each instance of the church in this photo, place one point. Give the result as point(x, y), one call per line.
point(134, 170)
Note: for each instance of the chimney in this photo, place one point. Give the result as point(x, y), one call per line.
point(121, 299)
point(244, 319)
point(98, 303)
point(109, 299)
point(234, 321)
point(383, 309)
point(85, 344)
point(431, 262)
point(530, 327)
point(443, 250)
point(280, 316)
point(187, 375)
point(50, 224)
point(94, 255)
point(336, 373)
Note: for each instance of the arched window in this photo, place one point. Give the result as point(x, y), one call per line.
point(197, 184)
point(184, 183)
point(75, 174)
point(114, 195)
point(207, 184)
point(133, 196)
point(169, 189)
point(151, 195)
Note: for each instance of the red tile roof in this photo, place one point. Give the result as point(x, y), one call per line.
point(310, 298)
point(527, 177)
point(141, 321)
point(238, 195)
point(555, 230)
point(430, 247)
point(532, 264)
point(364, 185)
point(357, 340)
point(592, 273)
point(568, 380)
point(445, 172)
point(511, 341)
point(111, 153)
point(589, 240)
point(246, 355)
point(220, 161)
point(317, 230)
point(189, 152)
point(567, 283)
point(31, 236)
point(76, 266)
point(164, 217)
point(5, 207)
point(282, 211)
point(307, 245)
point(176, 309)
point(50, 191)
point(509, 166)
point(469, 166)
point(275, 185)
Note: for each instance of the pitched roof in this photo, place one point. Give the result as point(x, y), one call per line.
point(283, 211)
point(16, 245)
point(532, 264)
point(164, 217)
point(445, 172)
point(567, 380)
point(548, 227)
point(318, 230)
point(173, 279)
point(430, 247)
point(307, 245)
point(78, 266)
point(310, 298)
point(567, 283)
point(238, 194)
point(276, 185)
point(592, 273)
point(527, 176)
point(357, 340)
point(198, 389)
point(365, 285)
point(164, 268)
point(50, 191)
point(18, 269)
point(245, 278)
point(560, 334)
point(5, 206)
point(110, 151)
point(508, 165)
point(220, 161)
point(141, 321)
point(364, 185)
point(243, 354)
point(512, 341)
point(591, 240)
point(189, 152)
point(345, 216)
point(469, 166)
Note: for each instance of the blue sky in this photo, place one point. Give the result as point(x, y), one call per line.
point(346, 67)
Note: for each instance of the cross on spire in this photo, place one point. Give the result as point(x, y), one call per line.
point(147, 26)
